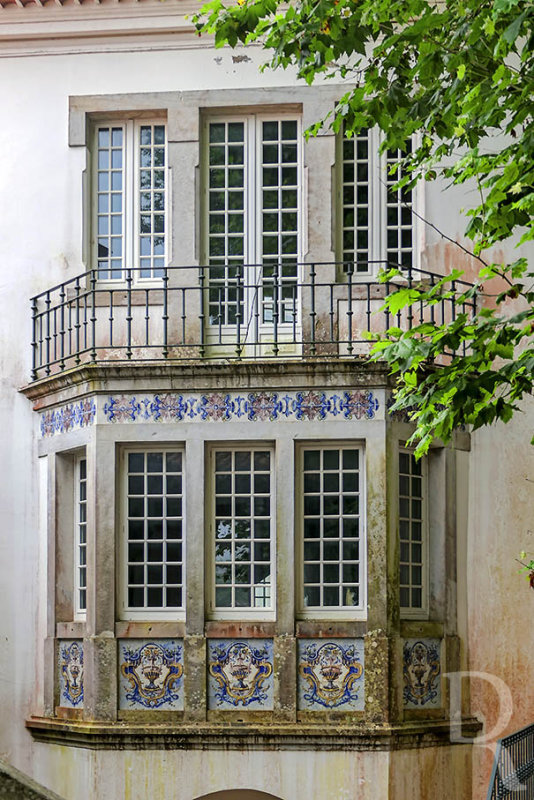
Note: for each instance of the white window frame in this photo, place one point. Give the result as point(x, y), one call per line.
point(147, 614)
point(80, 613)
point(334, 613)
point(377, 208)
point(131, 128)
point(253, 230)
point(243, 614)
point(410, 612)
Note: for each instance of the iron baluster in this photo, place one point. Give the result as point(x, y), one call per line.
point(165, 313)
point(313, 313)
point(77, 324)
point(93, 316)
point(111, 317)
point(34, 338)
point(129, 316)
point(202, 314)
point(350, 270)
point(275, 307)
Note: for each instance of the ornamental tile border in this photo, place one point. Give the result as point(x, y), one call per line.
point(331, 675)
point(240, 674)
point(421, 670)
point(68, 417)
point(70, 673)
point(353, 404)
point(151, 675)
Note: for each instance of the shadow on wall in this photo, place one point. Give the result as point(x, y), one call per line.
point(239, 794)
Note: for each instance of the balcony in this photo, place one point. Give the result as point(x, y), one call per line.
point(223, 314)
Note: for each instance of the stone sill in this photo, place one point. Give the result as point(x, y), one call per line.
point(202, 736)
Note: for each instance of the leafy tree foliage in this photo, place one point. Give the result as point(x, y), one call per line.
point(459, 75)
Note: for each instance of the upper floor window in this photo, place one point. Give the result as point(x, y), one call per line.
point(129, 187)
point(376, 221)
point(251, 225)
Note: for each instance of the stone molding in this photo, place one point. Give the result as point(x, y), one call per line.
point(263, 737)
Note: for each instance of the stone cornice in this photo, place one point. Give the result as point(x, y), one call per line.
point(87, 379)
point(292, 736)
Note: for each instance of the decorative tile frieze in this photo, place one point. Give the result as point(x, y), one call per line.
point(352, 404)
point(68, 417)
point(151, 674)
point(70, 673)
point(421, 673)
point(240, 674)
point(253, 406)
point(331, 675)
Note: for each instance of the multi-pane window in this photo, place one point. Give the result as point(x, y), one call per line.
point(332, 547)
point(376, 221)
point(399, 216)
point(242, 541)
point(154, 535)
point(130, 195)
point(252, 174)
point(412, 538)
point(80, 537)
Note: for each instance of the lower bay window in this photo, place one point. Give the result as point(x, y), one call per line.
point(413, 561)
point(331, 531)
point(241, 532)
point(152, 560)
point(242, 528)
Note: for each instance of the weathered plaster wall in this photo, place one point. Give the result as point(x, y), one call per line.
point(500, 602)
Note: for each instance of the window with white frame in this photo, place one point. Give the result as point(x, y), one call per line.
point(242, 530)
point(376, 221)
point(251, 227)
point(80, 537)
point(129, 189)
point(332, 573)
point(413, 564)
point(153, 560)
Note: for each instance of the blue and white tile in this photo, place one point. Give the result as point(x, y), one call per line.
point(331, 674)
point(422, 673)
point(70, 673)
point(240, 674)
point(151, 674)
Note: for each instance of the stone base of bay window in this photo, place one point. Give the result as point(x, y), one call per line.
point(236, 735)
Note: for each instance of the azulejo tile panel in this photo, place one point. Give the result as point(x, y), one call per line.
point(68, 417)
point(70, 673)
point(331, 674)
point(151, 674)
point(421, 673)
point(320, 405)
point(240, 674)
point(254, 407)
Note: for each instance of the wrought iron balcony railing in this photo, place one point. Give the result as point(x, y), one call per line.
point(227, 313)
point(513, 767)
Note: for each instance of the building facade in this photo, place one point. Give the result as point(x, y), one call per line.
point(224, 571)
